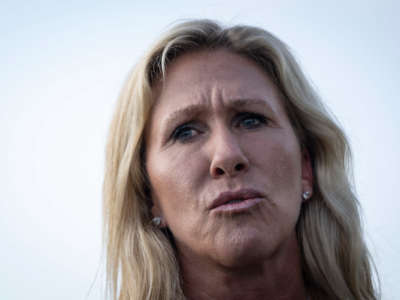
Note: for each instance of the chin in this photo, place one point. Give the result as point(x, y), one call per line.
point(244, 250)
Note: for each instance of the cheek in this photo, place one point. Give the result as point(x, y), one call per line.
point(287, 181)
point(175, 178)
point(176, 181)
point(285, 167)
point(278, 159)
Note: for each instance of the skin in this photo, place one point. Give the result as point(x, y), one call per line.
point(219, 125)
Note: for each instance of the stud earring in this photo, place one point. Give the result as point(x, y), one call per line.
point(306, 195)
point(156, 221)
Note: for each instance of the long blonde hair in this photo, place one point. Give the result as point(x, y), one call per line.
point(141, 262)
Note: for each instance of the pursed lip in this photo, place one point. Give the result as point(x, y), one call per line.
point(243, 194)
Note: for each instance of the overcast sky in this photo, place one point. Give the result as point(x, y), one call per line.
point(62, 66)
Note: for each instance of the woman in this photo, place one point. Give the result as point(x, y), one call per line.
point(226, 178)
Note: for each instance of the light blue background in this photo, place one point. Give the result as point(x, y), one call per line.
point(62, 64)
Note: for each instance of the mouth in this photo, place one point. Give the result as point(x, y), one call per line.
point(238, 201)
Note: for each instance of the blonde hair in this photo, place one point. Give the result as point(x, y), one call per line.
point(141, 262)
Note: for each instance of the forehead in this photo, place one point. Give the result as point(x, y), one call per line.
point(214, 69)
point(213, 79)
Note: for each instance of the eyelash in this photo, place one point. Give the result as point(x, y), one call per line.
point(186, 127)
point(180, 130)
point(262, 120)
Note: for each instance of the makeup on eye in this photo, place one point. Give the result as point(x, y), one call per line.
point(189, 130)
point(249, 120)
point(185, 132)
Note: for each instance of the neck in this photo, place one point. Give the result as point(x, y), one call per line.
point(276, 277)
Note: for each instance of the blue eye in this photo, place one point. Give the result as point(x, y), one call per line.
point(251, 120)
point(184, 133)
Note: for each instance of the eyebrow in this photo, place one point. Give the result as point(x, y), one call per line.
point(247, 102)
point(195, 109)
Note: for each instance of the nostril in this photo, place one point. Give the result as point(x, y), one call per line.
point(239, 167)
point(219, 171)
point(228, 169)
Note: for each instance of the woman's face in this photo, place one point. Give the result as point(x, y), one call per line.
point(224, 164)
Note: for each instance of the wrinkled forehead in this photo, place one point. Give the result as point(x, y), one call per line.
point(207, 75)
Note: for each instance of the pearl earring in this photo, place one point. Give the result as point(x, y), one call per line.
point(156, 221)
point(306, 195)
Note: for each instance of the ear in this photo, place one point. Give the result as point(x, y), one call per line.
point(307, 179)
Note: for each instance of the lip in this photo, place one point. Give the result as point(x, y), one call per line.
point(249, 197)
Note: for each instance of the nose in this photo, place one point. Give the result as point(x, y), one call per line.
point(228, 158)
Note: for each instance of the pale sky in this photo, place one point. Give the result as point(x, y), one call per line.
point(62, 66)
